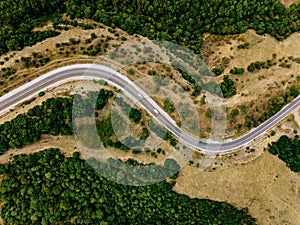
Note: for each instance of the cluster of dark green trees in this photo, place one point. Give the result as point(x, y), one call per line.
point(278, 103)
point(17, 39)
point(256, 66)
point(168, 106)
point(47, 188)
point(287, 150)
point(238, 71)
point(194, 80)
point(218, 71)
point(228, 87)
point(182, 22)
point(134, 173)
point(53, 117)
point(18, 18)
point(7, 72)
point(36, 60)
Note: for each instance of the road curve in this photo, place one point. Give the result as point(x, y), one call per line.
point(99, 72)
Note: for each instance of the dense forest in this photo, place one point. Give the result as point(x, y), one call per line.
point(46, 187)
point(287, 150)
point(182, 22)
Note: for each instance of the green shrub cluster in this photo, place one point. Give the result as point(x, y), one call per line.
point(239, 71)
point(228, 87)
point(287, 150)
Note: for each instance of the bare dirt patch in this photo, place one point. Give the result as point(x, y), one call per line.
point(297, 117)
point(287, 3)
point(66, 144)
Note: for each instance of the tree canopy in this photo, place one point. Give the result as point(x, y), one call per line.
point(287, 150)
point(47, 188)
point(181, 22)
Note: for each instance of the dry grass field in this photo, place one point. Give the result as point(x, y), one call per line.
point(266, 186)
point(254, 90)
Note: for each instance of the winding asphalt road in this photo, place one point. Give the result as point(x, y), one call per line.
point(98, 72)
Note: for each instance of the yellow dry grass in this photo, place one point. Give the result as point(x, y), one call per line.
point(265, 186)
point(254, 90)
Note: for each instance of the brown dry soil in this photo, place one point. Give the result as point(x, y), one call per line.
point(66, 144)
point(287, 3)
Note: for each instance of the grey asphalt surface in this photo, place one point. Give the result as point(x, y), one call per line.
point(98, 72)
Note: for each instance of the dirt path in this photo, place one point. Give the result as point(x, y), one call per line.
point(297, 116)
point(67, 145)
